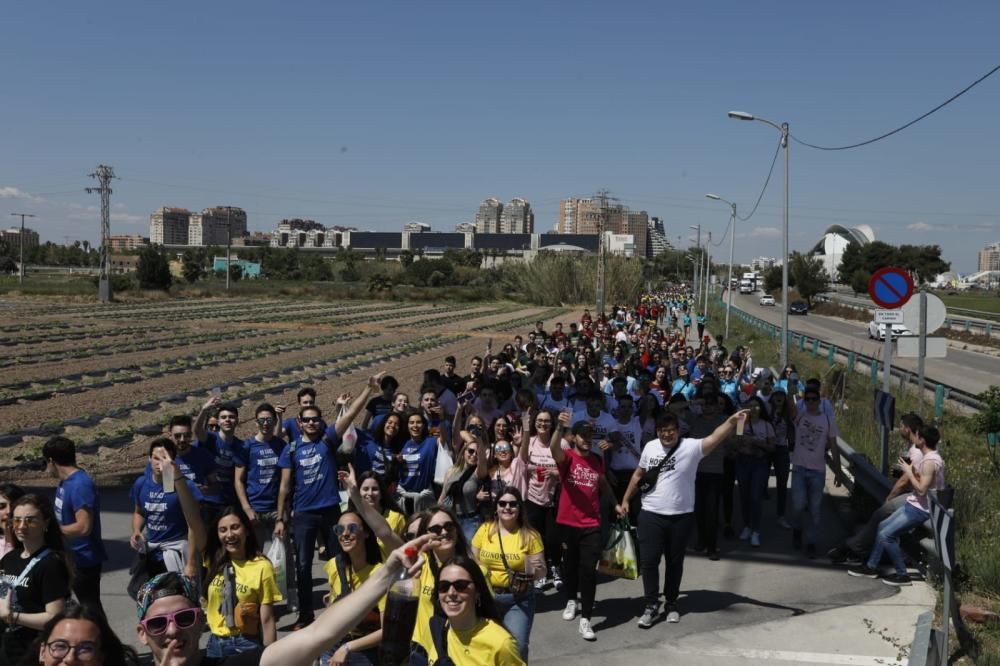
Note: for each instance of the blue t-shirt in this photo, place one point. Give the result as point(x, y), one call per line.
point(315, 470)
point(75, 492)
point(730, 387)
point(225, 468)
point(263, 475)
point(164, 517)
point(685, 389)
point(417, 472)
point(197, 464)
point(370, 455)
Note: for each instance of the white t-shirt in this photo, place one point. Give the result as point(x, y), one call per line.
point(673, 493)
point(626, 457)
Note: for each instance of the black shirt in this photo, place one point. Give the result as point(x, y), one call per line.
point(47, 581)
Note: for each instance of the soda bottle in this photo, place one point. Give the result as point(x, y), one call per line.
point(399, 618)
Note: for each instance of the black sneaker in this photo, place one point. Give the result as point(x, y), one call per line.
point(811, 551)
point(855, 558)
point(864, 571)
point(714, 555)
point(796, 539)
point(837, 555)
point(896, 579)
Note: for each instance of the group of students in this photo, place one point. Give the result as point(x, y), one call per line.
point(508, 478)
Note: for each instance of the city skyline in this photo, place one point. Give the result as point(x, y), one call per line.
point(385, 124)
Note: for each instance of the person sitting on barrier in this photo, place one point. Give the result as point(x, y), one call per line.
point(915, 512)
point(859, 544)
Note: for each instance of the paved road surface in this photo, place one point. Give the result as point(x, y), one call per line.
point(969, 371)
point(755, 606)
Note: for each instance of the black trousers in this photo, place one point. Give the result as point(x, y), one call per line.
point(663, 536)
point(543, 520)
point(728, 488)
point(87, 586)
point(583, 550)
point(707, 497)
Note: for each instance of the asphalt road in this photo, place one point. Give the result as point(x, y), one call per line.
point(969, 371)
point(748, 590)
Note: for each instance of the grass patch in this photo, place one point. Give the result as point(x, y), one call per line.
point(985, 302)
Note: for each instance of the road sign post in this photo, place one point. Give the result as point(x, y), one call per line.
point(885, 415)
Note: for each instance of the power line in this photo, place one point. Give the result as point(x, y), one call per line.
point(724, 234)
point(767, 181)
point(912, 122)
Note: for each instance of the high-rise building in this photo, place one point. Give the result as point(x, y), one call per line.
point(989, 258)
point(584, 216)
point(488, 217)
point(12, 237)
point(210, 226)
point(656, 238)
point(517, 218)
point(169, 226)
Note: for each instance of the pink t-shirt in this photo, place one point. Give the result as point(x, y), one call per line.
point(922, 502)
point(580, 502)
point(542, 492)
point(514, 476)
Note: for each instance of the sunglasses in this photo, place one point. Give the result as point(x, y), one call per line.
point(266, 420)
point(25, 520)
point(438, 530)
point(213, 426)
point(310, 419)
point(508, 505)
point(409, 536)
point(184, 619)
point(350, 528)
point(461, 585)
point(502, 449)
point(812, 398)
point(84, 651)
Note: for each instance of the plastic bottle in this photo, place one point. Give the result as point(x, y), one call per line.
point(400, 618)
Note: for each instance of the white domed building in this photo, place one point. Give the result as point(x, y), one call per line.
point(830, 248)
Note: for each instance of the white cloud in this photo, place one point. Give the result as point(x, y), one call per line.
point(15, 193)
point(921, 226)
point(924, 227)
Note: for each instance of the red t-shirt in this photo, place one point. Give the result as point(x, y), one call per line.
point(580, 501)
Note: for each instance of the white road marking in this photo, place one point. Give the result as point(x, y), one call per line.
point(797, 657)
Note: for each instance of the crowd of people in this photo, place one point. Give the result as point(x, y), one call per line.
point(489, 488)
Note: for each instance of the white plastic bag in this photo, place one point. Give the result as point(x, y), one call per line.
point(276, 553)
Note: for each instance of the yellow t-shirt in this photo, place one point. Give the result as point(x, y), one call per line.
point(425, 605)
point(397, 523)
point(486, 643)
point(255, 583)
point(354, 579)
point(514, 547)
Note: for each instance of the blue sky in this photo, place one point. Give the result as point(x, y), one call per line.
point(373, 114)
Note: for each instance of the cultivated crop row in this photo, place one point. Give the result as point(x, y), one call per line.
point(551, 313)
point(463, 315)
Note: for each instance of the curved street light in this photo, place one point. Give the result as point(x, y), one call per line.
point(783, 129)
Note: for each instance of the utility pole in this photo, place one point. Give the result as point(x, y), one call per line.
point(697, 262)
point(708, 271)
point(20, 238)
point(602, 224)
point(104, 174)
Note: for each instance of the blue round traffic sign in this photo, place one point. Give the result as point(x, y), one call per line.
point(890, 287)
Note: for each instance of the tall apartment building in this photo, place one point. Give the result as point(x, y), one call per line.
point(123, 242)
point(12, 237)
point(488, 217)
point(583, 216)
point(989, 258)
point(209, 227)
point(169, 226)
point(517, 218)
point(656, 238)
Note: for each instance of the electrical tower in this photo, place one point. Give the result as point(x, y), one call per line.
point(104, 174)
point(601, 198)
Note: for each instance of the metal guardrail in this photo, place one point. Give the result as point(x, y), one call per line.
point(989, 329)
point(852, 358)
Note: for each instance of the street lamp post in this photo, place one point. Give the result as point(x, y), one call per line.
point(20, 238)
point(783, 129)
point(732, 249)
point(697, 264)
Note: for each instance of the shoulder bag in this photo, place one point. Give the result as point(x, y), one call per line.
point(650, 476)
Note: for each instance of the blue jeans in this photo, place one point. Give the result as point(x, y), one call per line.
point(902, 521)
point(807, 494)
point(219, 646)
point(470, 525)
point(780, 458)
point(518, 616)
point(751, 474)
point(306, 525)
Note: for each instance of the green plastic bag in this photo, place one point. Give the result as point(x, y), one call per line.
point(618, 558)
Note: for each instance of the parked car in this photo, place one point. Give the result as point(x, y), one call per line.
point(798, 308)
point(767, 299)
point(877, 331)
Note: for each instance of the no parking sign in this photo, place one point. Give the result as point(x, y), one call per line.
point(890, 287)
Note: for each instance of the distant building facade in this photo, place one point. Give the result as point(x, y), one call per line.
point(830, 248)
point(416, 227)
point(517, 218)
point(12, 237)
point(488, 218)
point(585, 216)
point(123, 243)
point(215, 226)
point(763, 263)
point(989, 258)
point(169, 226)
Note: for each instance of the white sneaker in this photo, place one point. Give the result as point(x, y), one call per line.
point(745, 534)
point(755, 539)
point(540, 584)
point(673, 616)
point(585, 630)
point(571, 610)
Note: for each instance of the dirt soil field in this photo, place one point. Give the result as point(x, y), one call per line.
point(113, 424)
